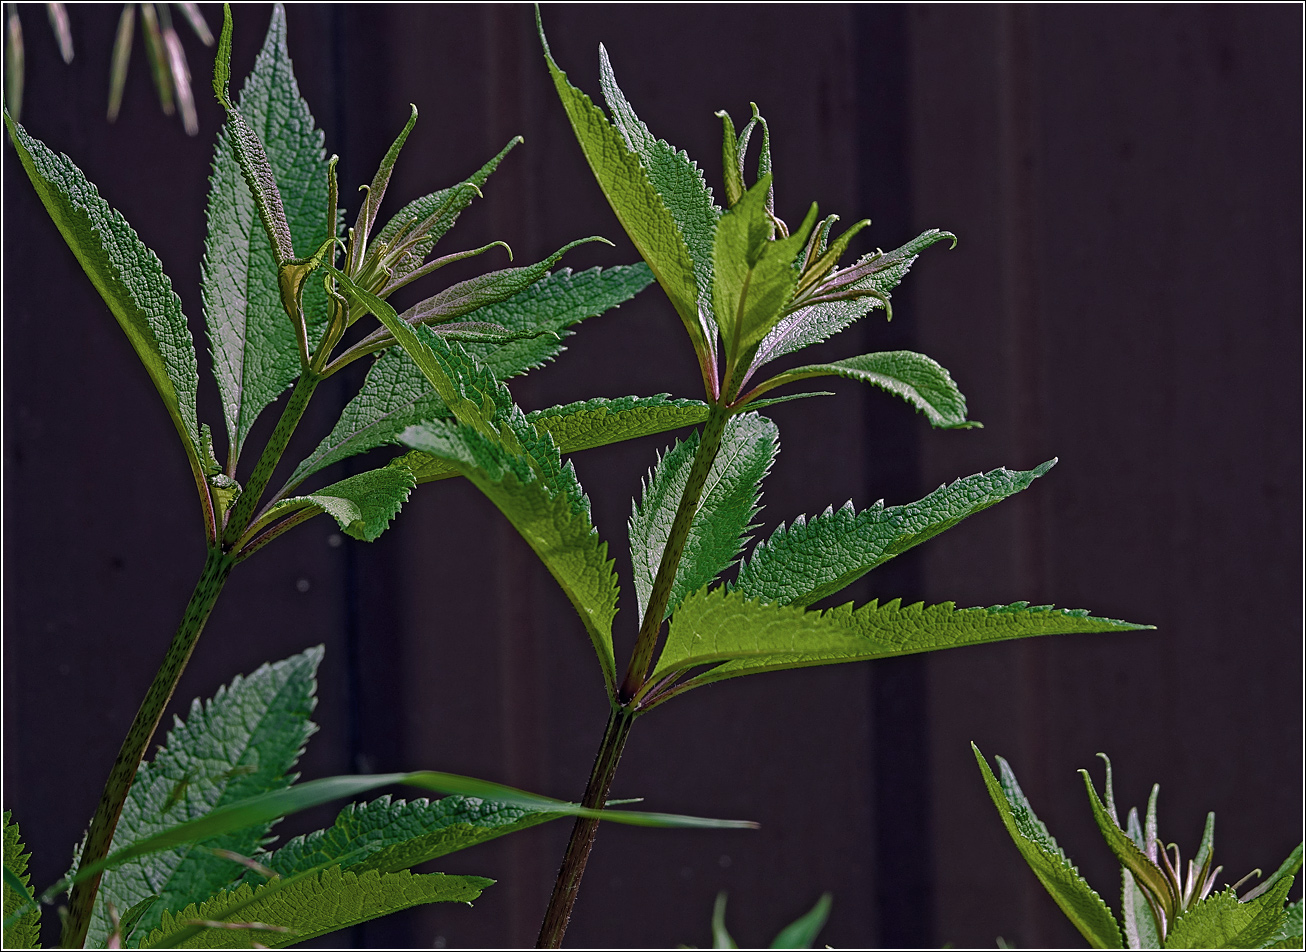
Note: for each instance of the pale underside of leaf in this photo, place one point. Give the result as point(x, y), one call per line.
point(127, 275)
point(241, 743)
point(255, 356)
point(1082, 906)
point(718, 530)
point(818, 322)
point(813, 558)
point(913, 377)
point(306, 907)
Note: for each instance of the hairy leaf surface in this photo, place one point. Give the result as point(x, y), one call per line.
point(1059, 877)
point(729, 503)
point(602, 420)
point(305, 907)
point(817, 322)
point(255, 356)
point(390, 835)
point(26, 932)
point(241, 743)
point(642, 212)
point(914, 377)
point(127, 275)
point(810, 559)
point(751, 637)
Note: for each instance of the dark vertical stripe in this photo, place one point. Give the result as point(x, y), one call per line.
point(903, 861)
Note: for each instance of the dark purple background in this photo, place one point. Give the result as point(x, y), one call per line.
point(1126, 295)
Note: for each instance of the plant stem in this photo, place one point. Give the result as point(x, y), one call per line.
point(585, 829)
point(623, 714)
point(708, 445)
point(217, 566)
point(239, 517)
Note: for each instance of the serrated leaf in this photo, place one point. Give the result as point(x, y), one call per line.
point(729, 502)
point(306, 907)
point(552, 522)
point(255, 355)
point(585, 425)
point(554, 304)
point(25, 933)
point(1220, 921)
point(363, 505)
point(813, 558)
point(1082, 906)
point(674, 176)
point(395, 394)
point(127, 275)
point(914, 377)
point(389, 835)
point(802, 932)
point(750, 637)
point(603, 420)
point(241, 743)
point(753, 276)
point(1290, 931)
point(640, 209)
point(817, 322)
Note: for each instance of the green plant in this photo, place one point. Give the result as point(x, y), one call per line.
point(747, 290)
point(799, 934)
point(271, 328)
point(1162, 904)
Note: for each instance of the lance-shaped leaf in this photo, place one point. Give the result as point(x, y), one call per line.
point(810, 559)
point(1059, 877)
point(241, 743)
point(750, 637)
point(1138, 920)
point(288, 911)
point(676, 179)
point(640, 209)
point(602, 420)
point(880, 272)
point(725, 512)
point(375, 193)
point(25, 932)
point(555, 524)
point(585, 425)
point(914, 377)
point(255, 354)
point(802, 932)
point(753, 276)
point(389, 835)
point(127, 275)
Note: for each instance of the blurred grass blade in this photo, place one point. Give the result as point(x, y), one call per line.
point(158, 57)
point(58, 14)
point(179, 71)
point(279, 803)
point(122, 54)
point(191, 11)
point(802, 932)
point(721, 937)
point(13, 63)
